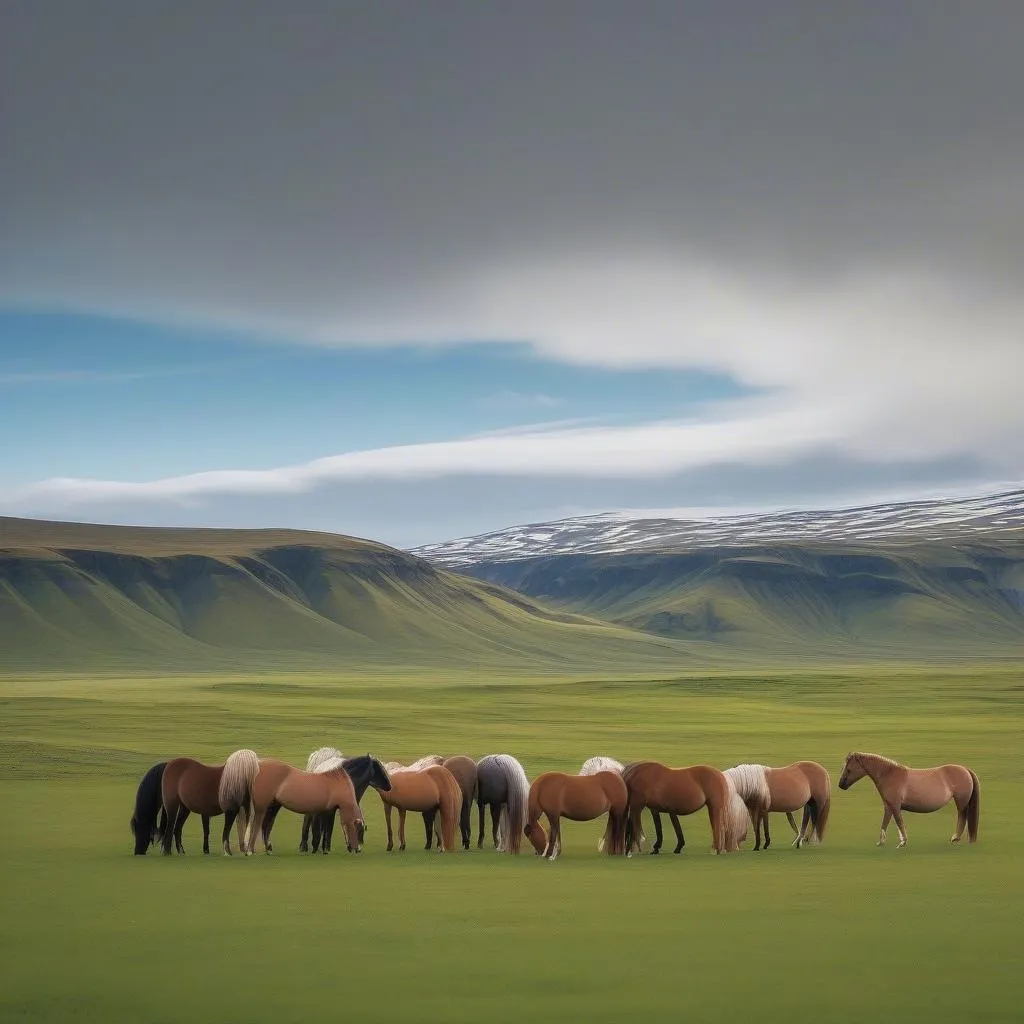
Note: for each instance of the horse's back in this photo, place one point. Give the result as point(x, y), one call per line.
point(464, 770)
point(193, 784)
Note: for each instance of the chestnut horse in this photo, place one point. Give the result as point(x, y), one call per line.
point(578, 798)
point(502, 786)
point(803, 785)
point(464, 770)
point(189, 786)
point(362, 770)
point(426, 790)
point(919, 790)
point(678, 791)
point(597, 764)
point(304, 793)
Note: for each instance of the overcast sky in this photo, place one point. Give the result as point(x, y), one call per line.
point(416, 270)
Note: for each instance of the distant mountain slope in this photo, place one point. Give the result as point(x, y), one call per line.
point(921, 579)
point(912, 521)
point(76, 595)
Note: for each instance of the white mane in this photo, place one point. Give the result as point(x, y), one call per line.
point(600, 764)
point(326, 759)
point(739, 816)
point(426, 762)
point(751, 783)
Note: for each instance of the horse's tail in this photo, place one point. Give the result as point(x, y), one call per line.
point(236, 781)
point(149, 802)
point(451, 809)
point(973, 809)
point(720, 812)
point(631, 838)
point(518, 790)
point(820, 807)
point(738, 817)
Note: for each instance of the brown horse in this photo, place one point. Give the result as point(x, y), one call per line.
point(803, 785)
point(464, 770)
point(678, 791)
point(919, 790)
point(427, 790)
point(304, 793)
point(189, 786)
point(578, 798)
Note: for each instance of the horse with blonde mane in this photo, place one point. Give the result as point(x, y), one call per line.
point(557, 795)
point(189, 786)
point(431, 789)
point(502, 786)
point(678, 791)
point(304, 793)
point(803, 785)
point(918, 790)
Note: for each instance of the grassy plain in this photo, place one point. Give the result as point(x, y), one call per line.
point(843, 932)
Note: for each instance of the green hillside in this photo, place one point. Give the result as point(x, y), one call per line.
point(80, 596)
point(872, 600)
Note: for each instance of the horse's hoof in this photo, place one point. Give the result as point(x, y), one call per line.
point(955, 839)
point(654, 853)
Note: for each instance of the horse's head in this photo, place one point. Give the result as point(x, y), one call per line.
point(853, 771)
point(538, 839)
point(379, 777)
point(142, 839)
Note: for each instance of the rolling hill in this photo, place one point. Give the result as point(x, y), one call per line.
point(83, 596)
point(921, 579)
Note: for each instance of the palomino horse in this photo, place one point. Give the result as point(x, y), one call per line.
point(919, 790)
point(303, 793)
point(362, 770)
point(803, 785)
point(149, 821)
point(427, 790)
point(190, 786)
point(578, 798)
point(676, 791)
point(464, 770)
point(503, 786)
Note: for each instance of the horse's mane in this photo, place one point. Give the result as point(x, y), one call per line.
point(430, 761)
point(751, 783)
point(323, 756)
point(600, 764)
point(876, 759)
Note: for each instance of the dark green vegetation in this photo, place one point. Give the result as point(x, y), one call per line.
point(892, 599)
point(79, 596)
point(839, 933)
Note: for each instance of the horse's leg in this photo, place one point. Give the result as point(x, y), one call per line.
point(401, 829)
point(182, 818)
point(886, 818)
point(428, 826)
point(555, 836)
point(206, 834)
point(225, 836)
point(495, 820)
point(328, 833)
point(387, 821)
point(767, 832)
point(961, 822)
point(897, 816)
point(792, 822)
point(680, 841)
point(256, 829)
point(466, 822)
point(656, 848)
point(480, 839)
point(801, 836)
point(308, 824)
point(268, 826)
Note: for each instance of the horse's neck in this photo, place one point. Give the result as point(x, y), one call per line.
point(877, 767)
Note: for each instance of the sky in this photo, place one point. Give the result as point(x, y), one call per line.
point(416, 271)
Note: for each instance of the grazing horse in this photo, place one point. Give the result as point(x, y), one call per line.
point(427, 790)
point(603, 764)
point(208, 790)
point(503, 786)
point(464, 770)
point(149, 822)
point(678, 791)
point(303, 793)
point(578, 798)
point(362, 770)
point(803, 785)
point(919, 790)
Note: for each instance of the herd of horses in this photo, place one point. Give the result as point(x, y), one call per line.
point(250, 791)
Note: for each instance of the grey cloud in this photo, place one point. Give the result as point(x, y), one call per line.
point(292, 165)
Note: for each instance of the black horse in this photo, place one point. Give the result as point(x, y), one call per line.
point(364, 771)
point(149, 822)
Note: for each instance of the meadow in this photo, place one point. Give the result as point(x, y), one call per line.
point(840, 932)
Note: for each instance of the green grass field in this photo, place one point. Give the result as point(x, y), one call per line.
point(838, 933)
